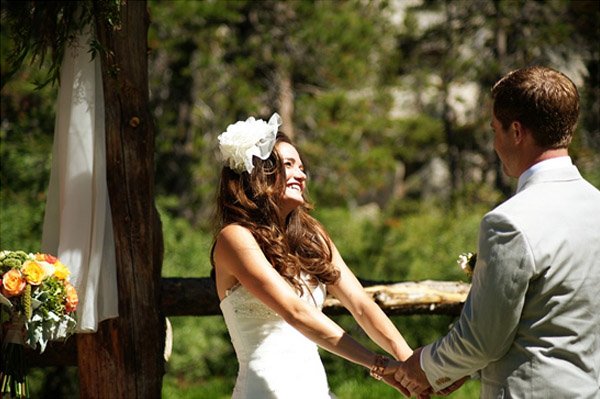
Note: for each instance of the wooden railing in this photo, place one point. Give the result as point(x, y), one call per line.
point(197, 297)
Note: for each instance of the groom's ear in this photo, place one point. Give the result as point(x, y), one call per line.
point(518, 132)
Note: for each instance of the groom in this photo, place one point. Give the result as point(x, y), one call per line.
point(531, 322)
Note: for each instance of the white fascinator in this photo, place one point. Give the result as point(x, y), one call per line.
point(244, 140)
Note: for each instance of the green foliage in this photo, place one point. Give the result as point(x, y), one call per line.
point(393, 248)
point(215, 388)
point(216, 62)
point(26, 136)
point(20, 222)
point(53, 295)
point(25, 147)
point(36, 27)
point(54, 382)
point(419, 139)
point(201, 351)
point(354, 138)
point(186, 249)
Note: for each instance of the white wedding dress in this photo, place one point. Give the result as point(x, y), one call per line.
point(275, 360)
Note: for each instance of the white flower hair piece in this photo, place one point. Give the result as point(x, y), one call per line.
point(244, 140)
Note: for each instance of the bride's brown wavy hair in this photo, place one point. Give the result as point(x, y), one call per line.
point(298, 244)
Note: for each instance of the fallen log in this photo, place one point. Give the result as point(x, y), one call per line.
point(409, 298)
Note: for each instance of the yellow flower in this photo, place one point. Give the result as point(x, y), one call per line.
point(48, 268)
point(61, 272)
point(13, 283)
point(34, 272)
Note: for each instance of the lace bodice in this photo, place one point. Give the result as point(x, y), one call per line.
point(276, 360)
point(245, 304)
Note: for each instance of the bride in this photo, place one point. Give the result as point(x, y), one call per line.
point(273, 264)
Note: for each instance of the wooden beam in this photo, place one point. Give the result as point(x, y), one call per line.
point(197, 297)
point(124, 358)
point(189, 297)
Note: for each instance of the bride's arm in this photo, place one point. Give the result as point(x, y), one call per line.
point(238, 254)
point(366, 312)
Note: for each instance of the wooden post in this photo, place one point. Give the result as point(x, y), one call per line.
point(124, 359)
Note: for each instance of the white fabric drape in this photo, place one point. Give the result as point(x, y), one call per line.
point(77, 221)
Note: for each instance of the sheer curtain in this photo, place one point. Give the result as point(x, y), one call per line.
point(77, 220)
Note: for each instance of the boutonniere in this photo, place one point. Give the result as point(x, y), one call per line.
point(467, 262)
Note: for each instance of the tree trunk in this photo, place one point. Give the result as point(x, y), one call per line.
point(124, 359)
point(501, 180)
point(448, 115)
point(286, 101)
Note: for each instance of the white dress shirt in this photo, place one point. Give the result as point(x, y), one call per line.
point(552, 163)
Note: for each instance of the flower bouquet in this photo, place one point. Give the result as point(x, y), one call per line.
point(36, 306)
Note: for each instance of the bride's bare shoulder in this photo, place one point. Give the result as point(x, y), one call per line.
point(233, 234)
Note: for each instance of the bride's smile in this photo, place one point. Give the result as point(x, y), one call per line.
point(295, 177)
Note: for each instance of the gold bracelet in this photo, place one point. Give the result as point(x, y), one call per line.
point(378, 368)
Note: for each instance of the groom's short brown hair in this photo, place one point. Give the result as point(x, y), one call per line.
point(543, 100)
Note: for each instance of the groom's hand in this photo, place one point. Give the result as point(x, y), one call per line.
point(411, 376)
point(388, 377)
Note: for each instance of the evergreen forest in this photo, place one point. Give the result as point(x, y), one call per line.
point(387, 100)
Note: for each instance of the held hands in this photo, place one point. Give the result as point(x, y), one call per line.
point(385, 369)
point(410, 379)
point(410, 375)
point(387, 376)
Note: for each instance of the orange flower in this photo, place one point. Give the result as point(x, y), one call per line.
point(34, 272)
point(13, 283)
point(72, 299)
point(61, 272)
point(46, 258)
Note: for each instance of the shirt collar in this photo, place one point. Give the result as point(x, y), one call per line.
point(552, 163)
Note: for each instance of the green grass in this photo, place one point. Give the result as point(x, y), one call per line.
point(214, 388)
point(366, 388)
